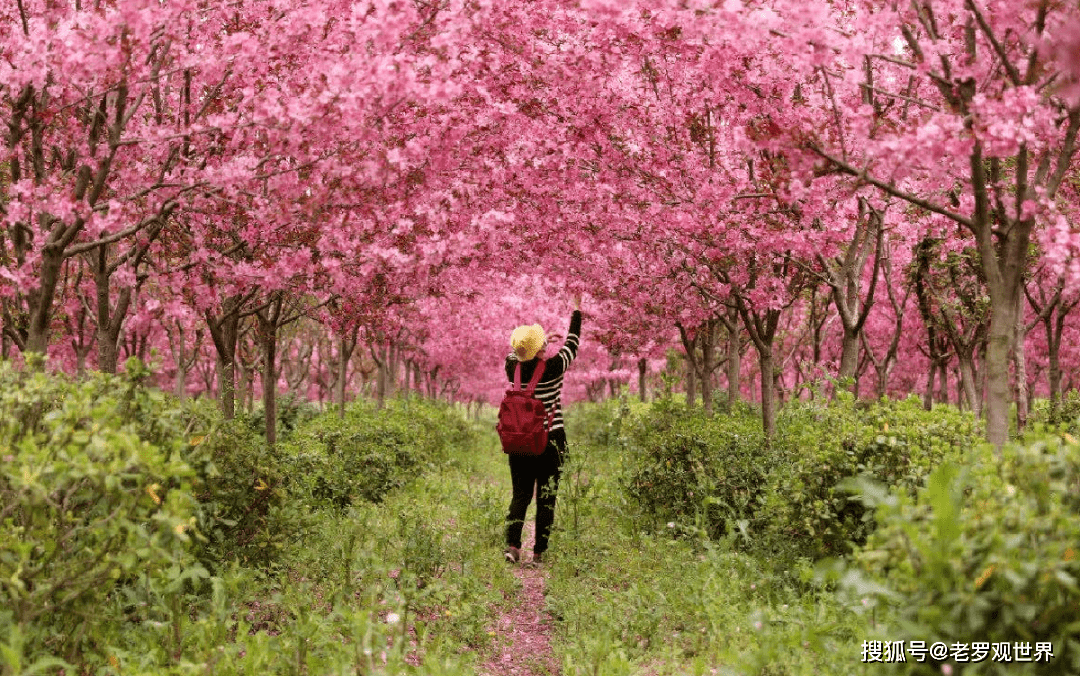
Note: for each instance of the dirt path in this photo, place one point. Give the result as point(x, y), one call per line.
point(523, 631)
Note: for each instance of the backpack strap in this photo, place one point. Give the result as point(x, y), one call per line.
point(533, 382)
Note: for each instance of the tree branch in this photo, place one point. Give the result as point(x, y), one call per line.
point(890, 189)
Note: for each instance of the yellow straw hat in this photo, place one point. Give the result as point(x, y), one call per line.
point(527, 341)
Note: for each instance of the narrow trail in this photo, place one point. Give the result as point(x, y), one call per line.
point(523, 630)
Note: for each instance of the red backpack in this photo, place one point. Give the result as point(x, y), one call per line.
point(523, 422)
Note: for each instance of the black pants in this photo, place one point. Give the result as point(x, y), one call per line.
point(539, 473)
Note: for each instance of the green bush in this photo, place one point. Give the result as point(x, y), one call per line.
point(600, 423)
point(894, 442)
point(87, 505)
point(292, 412)
point(245, 510)
point(1067, 416)
point(691, 468)
point(987, 552)
point(787, 497)
point(338, 462)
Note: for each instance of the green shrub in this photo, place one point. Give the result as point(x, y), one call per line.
point(786, 497)
point(600, 424)
point(696, 469)
point(87, 506)
point(1067, 416)
point(894, 442)
point(339, 462)
point(245, 510)
point(292, 412)
point(987, 552)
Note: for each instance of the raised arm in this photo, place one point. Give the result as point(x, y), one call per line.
point(568, 351)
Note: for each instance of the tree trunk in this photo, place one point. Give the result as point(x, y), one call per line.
point(381, 356)
point(224, 331)
point(269, 321)
point(345, 351)
point(762, 328)
point(109, 320)
point(1053, 373)
point(182, 359)
point(1004, 299)
point(928, 395)
point(708, 352)
point(734, 356)
point(768, 393)
point(245, 383)
point(690, 346)
point(642, 365)
point(691, 383)
point(982, 375)
point(967, 382)
point(943, 384)
point(849, 353)
point(269, 382)
point(41, 301)
point(226, 387)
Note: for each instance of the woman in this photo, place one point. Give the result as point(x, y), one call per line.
point(539, 472)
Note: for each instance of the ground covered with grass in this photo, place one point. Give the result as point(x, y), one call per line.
point(147, 536)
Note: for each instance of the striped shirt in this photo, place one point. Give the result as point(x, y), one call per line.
point(549, 389)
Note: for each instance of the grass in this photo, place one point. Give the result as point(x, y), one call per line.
point(633, 597)
point(409, 585)
point(415, 583)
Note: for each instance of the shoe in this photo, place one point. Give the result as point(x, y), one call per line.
point(538, 557)
point(512, 554)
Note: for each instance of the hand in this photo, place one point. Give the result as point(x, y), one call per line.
point(577, 301)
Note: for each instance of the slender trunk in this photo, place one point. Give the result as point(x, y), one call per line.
point(967, 382)
point(690, 346)
point(269, 381)
point(768, 393)
point(379, 356)
point(691, 383)
point(982, 379)
point(107, 332)
point(180, 359)
point(1054, 377)
point(41, 301)
point(245, 384)
point(849, 353)
point(226, 387)
point(943, 385)
point(997, 373)
point(928, 395)
point(734, 363)
point(180, 384)
point(762, 329)
point(345, 350)
point(391, 371)
point(642, 365)
point(708, 351)
point(962, 401)
point(269, 319)
point(1053, 374)
point(224, 331)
